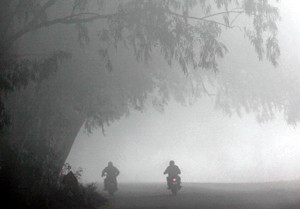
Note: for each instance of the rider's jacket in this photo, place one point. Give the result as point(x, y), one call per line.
point(172, 170)
point(110, 171)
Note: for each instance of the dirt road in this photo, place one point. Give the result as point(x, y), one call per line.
point(207, 196)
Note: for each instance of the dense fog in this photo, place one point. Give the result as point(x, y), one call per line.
point(207, 146)
point(223, 131)
point(210, 84)
point(206, 143)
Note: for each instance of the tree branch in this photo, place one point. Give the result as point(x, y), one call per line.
point(72, 19)
point(32, 23)
point(205, 18)
point(89, 17)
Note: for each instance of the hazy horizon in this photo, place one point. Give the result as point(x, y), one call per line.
point(202, 147)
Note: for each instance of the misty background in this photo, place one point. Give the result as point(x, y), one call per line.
point(211, 84)
point(208, 144)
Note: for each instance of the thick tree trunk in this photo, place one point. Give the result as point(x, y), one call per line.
point(63, 147)
point(43, 124)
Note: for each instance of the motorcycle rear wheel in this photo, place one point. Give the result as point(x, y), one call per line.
point(174, 191)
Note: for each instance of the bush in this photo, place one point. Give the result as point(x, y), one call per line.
point(85, 197)
point(28, 181)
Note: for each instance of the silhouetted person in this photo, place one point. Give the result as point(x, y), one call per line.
point(111, 173)
point(173, 171)
point(70, 181)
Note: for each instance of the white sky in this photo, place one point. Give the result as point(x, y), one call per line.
point(207, 146)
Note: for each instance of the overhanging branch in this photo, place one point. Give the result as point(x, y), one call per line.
point(72, 19)
point(205, 18)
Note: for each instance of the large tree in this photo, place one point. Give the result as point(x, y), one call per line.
point(44, 101)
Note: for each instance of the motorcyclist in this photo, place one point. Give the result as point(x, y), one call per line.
point(173, 171)
point(111, 173)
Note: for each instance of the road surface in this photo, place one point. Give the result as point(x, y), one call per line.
point(206, 196)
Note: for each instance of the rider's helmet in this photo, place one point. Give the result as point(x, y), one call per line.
point(172, 162)
point(110, 163)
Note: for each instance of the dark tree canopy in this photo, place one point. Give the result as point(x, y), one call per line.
point(185, 31)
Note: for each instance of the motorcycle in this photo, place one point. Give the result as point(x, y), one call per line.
point(111, 185)
point(174, 185)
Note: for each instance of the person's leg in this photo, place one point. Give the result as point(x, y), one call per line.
point(105, 184)
point(168, 182)
point(179, 182)
point(116, 183)
point(179, 179)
